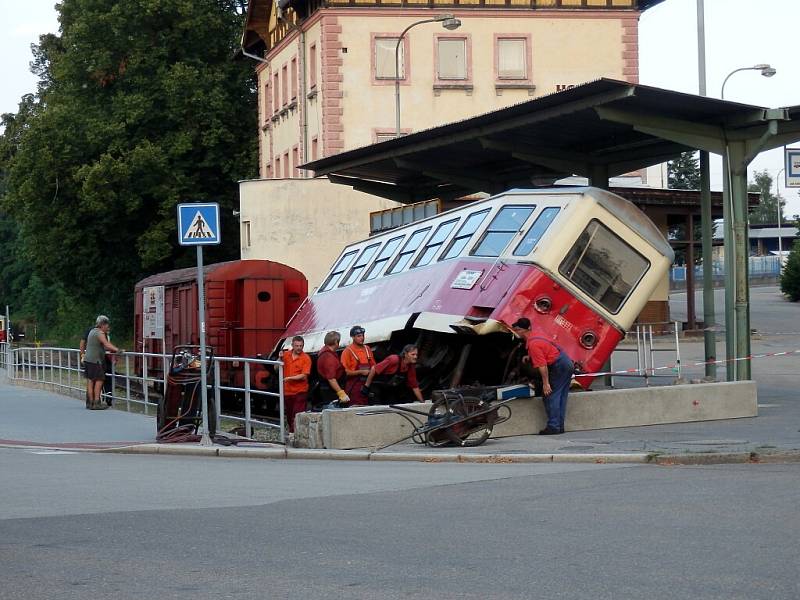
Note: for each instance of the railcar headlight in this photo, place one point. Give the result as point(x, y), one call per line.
point(588, 339)
point(543, 304)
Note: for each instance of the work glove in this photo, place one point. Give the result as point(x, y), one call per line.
point(343, 397)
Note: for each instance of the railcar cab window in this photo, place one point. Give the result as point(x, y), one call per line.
point(464, 234)
point(383, 258)
point(437, 240)
point(360, 265)
point(508, 221)
point(408, 251)
point(604, 266)
point(340, 268)
point(536, 231)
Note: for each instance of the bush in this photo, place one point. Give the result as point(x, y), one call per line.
point(790, 278)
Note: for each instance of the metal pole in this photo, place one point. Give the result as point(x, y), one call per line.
point(281, 405)
point(201, 311)
point(690, 308)
point(778, 200)
point(248, 429)
point(397, 84)
point(217, 392)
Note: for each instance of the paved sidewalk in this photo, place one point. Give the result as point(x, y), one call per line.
point(34, 417)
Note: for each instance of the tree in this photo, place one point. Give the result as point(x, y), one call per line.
point(683, 173)
point(140, 107)
point(790, 277)
point(766, 212)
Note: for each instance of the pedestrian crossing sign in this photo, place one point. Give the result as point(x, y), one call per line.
point(198, 224)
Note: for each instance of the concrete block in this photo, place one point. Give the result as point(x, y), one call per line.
point(236, 452)
point(367, 426)
point(321, 454)
point(371, 427)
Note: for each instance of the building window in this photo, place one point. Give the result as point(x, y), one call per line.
point(295, 162)
point(451, 59)
point(267, 108)
point(286, 166)
point(294, 79)
point(383, 58)
point(277, 167)
point(245, 234)
point(285, 83)
point(312, 66)
point(314, 148)
point(512, 58)
point(276, 93)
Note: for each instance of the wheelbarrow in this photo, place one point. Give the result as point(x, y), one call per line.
point(453, 420)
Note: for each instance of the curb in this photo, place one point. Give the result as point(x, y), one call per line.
point(279, 452)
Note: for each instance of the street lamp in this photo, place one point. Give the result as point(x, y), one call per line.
point(449, 22)
point(766, 71)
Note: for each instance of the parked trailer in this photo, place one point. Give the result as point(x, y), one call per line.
point(248, 303)
point(580, 263)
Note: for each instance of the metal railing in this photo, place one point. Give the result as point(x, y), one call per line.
point(61, 369)
point(646, 350)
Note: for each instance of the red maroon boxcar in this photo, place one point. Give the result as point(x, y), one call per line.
point(248, 303)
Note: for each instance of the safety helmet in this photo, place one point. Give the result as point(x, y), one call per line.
point(356, 330)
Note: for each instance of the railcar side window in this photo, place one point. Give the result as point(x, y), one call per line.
point(340, 268)
point(384, 256)
point(360, 265)
point(604, 266)
point(464, 234)
point(536, 231)
point(501, 230)
point(408, 250)
point(437, 239)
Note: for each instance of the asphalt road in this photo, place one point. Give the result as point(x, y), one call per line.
point(79, 525)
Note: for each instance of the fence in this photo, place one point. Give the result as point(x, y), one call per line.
point(758, 267)
point(60, 368)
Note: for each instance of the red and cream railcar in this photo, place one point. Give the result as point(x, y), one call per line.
point(580, 263)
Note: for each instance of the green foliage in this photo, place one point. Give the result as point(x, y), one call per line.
point(790, 277)
point(140, 107)
point(766, 213)
point(683, 173)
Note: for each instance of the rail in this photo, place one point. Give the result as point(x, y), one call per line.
point(646, 350)
point(60, 368)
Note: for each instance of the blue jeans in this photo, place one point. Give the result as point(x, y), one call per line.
point(560, 375)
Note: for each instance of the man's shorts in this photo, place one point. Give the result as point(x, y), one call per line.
point(95, 371)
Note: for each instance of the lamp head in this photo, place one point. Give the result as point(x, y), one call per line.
point(768, 71)
point(448, 21)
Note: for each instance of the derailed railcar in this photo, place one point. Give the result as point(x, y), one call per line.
point(580, 263)
point(248, 303)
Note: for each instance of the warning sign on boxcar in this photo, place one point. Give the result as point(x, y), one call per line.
point(153, 312)
point(466, 280)
point(198, 224)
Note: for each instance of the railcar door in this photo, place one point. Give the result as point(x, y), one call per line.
point(262, 310)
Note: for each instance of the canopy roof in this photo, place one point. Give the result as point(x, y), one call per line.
point(598, 130)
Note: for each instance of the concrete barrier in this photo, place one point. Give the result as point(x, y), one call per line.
point(366, 427)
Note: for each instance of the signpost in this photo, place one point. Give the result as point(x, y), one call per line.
point(198, 225)
point(792, 158)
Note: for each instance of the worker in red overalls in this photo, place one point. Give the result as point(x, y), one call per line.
point(394, 377)
point(357, 360)
point(331, 372)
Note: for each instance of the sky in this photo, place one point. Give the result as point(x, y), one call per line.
point(739, 33)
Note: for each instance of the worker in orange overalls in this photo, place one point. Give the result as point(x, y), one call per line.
point(357, 360)
point(296, 369)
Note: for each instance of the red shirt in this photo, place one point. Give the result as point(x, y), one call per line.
point(328, 365)
point(295, 365)
point(542, 352)
point(392, 364)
